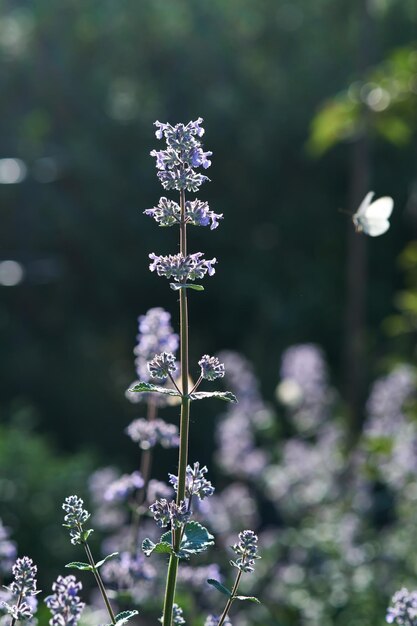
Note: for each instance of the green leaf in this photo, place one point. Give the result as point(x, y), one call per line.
point(195, 539)
point(249, 598)
point(78, 565)
point(220, 587)
point(228, 396)
point(86, 533)
point(141, 387)
point(177, 287)
point(162, 547)
point(106, 558)
point(124, 616)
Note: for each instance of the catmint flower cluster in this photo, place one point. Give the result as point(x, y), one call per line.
point(177, 615)
point(65, 604)
point(211, 368)
point(195, 483)
point(22, 587)
point(213, 620)
point(165, 512)
point(75, 517)
point(149, 433)
point(125, 571)
point(247, 551)
point(304, 387)
point(197, 213)
point(404, 608)
point(155, 335)
point(120, 489)
point(180, 268)
point(162, 365)
point(183, 153)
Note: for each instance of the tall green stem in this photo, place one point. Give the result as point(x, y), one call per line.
point(99, 582)
point(184, 428)
point(230, 600)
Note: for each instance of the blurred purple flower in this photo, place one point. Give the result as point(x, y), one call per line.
point(304, 387)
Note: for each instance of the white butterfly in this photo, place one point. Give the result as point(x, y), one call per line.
point(372, 218)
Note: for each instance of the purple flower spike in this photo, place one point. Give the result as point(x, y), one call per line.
point(64, 603)
point(184, 153)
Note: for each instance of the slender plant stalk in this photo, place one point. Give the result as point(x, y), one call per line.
point(99, 582)
point(231, 599)
point(184, 428)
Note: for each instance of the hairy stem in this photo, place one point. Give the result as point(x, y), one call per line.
point(184, 428)
point(99, 582)
point(230, 600)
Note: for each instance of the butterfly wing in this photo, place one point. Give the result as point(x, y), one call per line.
point(374, 226)
point(381, 209)
point(364, 204)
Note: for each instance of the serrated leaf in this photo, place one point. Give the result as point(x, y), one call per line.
point(125, 616)
point(177, 287)
point(79, 565)
point(162, 547)
point(228, 396)
point(147, 387)
point(195, 539)
point(249, 598)
point(219, 587)
point(106, 558)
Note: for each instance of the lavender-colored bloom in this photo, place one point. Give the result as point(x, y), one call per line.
point(149, 433)
point(161, 512)
point(169, 512)
point(167, 213)
point(241, 380)
point(177, 615)
point(195, 483)
point(196, 577)
point(386, 401)
point(158, 490)
point(155, 336)
point(183, 153)
point(180, 268)
point(237, 453)
point(161, 365)
point(75, 517)
point(247, 551)
point(197, 213)
point(233, 509)
point(304, 385)
point(127, 570)
point(389, 430)
point(403, 609)
point(308, 472)
point(65, 604)
point(211, 368)
point(24, 572)
point(213, 620)
point(22, 588)
point(20, 611)
point(7, 550)
point(123, 487)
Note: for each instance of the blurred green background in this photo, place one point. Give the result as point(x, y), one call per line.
point(306, 106)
